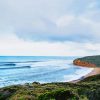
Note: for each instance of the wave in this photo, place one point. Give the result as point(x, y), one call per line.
point(50, 63)
point(48, 73)
point(15, 67)
point(19, 62)
point(8, 64)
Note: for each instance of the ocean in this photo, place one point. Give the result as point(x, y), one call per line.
point(43, 69)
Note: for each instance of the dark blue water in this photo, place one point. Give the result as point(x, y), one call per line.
point(23, 69)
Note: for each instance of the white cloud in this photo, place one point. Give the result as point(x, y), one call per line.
point(22, 22)
point(92, 25)
point(65, 21)
point(29, 19)
point(14, 46)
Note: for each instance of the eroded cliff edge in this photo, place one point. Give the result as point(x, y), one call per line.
point(89, 61)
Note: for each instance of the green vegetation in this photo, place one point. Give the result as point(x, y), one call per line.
point(87, 89)
point(91, 59)
point(60, 94)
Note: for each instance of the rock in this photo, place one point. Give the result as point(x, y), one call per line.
point(83, 63)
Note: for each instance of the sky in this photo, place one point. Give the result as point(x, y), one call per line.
point(49, 27)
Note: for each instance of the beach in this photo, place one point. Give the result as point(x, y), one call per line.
point(20, 70)
point(95, 71)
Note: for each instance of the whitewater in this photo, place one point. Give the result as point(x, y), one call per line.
point(43, 69)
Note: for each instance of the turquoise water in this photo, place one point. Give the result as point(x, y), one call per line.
point(23, 69)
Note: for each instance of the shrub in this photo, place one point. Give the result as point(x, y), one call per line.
point(59, 95)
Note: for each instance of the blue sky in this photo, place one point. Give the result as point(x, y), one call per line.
point(49, 27)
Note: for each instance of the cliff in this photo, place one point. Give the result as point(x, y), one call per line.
point(89, 61)
point(83, 63)
point(87, 89)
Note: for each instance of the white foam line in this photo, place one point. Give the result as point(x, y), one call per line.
point(78, 74)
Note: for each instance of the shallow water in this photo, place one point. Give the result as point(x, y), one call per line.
point(23, 69)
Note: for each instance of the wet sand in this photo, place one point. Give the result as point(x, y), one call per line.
point(95, 71)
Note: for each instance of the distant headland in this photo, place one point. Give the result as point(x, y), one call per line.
point(91, 62)
point(85, 89)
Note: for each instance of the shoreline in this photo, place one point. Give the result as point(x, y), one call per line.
point(95, 71)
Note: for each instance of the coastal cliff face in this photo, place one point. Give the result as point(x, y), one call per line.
point(83, 63)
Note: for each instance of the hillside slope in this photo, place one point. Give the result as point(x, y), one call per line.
point(89, 61)
point(87, 89)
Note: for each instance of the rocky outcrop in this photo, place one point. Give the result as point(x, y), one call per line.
point(83, 63)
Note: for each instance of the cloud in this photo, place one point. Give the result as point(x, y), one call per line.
point(64, 21)
point(51, 20)
point(14, 46)
point(59, 27)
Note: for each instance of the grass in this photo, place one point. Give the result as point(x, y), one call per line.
point(87, 89)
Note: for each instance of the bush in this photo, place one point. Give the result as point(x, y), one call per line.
point(59, 95)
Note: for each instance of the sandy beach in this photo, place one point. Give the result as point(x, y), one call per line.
point(95, 71)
